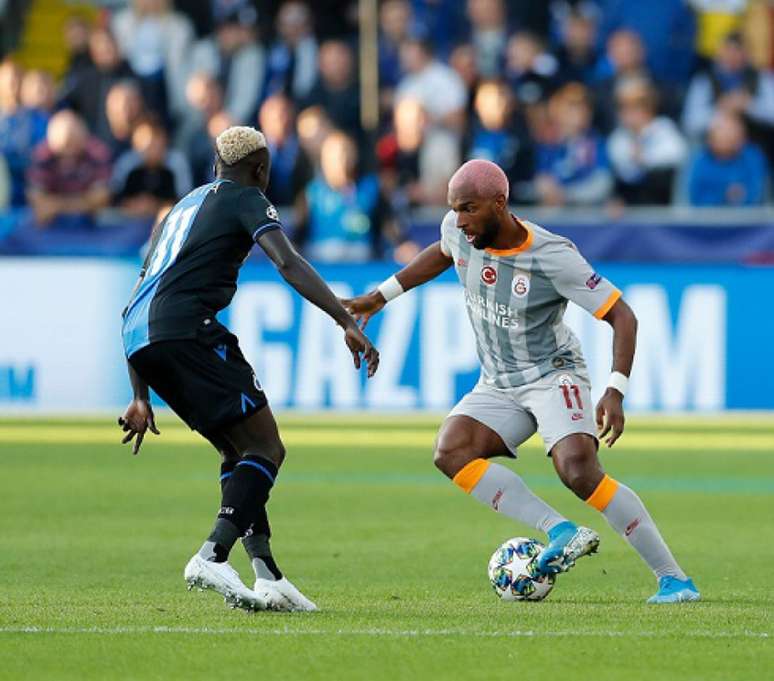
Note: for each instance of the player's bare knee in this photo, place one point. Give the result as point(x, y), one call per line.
point(276, 453)
point(229, 455)
point(272, 451)
point(280, 453)
point(580, 472)
point(451, 456)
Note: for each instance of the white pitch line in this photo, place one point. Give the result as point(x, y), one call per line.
point(406, 633)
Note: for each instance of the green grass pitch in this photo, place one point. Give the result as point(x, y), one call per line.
point(94, 542)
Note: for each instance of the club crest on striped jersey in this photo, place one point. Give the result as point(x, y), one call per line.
point(489, 275)
point(520, 284)
point(272, 213)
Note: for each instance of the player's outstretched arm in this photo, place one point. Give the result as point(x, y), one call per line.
point(305, 279)
point(610, 414)
point(425, 266)
point(138, 417)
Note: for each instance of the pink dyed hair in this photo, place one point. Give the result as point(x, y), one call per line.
point(479, 178)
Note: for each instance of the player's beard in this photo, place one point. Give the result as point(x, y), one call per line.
point(488, 237)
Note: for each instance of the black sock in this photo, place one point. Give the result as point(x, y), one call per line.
point(258, 547)
point(218, 545)
point(248, 485)
point(225, 533)
point(226, 469)
point(247, 489)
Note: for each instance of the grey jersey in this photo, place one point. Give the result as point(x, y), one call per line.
point(516, 301)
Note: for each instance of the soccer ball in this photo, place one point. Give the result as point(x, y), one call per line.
point(513, 571)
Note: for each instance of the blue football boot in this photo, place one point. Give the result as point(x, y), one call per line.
point(567, 543)
point(673, 590)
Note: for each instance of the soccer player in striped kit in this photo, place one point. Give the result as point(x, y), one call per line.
point(517, 279)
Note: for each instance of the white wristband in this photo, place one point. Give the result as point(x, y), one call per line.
point(390, 288)
point(619, 382)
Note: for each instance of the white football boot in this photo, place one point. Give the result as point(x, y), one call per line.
point(292, 599)
point(225, 580)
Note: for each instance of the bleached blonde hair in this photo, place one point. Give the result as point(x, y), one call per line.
point(237, 142)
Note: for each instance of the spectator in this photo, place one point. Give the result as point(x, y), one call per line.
point(124, 109)
point(218, 123)
point(436, 85)
point(577, 53)
point(76, 36)
point(444, 20)
point(291, 169)
point(149, 141)
point(156, 41)
point(463, 61)
point(205, 101)
point(645, 149)
point(88, 88)
point(666, 29)
point(529, 69)
point(292, 66)
point(488, 34)
point(395, 26)
point(573, 169)
point(336, 90)
point(151, 183)
point(531, 16)
point(498, 136)
point(732, 85)
point(21, 130)
point(67, 181)
point(625, 57)
point(313, 127)
point(416, 160)
point(728, 171)
point(715, 19)
point(37, 92)
point(202, 159)
point(236, 60)
point(346, 210)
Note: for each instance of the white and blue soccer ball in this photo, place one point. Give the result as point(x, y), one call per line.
point(513, 571)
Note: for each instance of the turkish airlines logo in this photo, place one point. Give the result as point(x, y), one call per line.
point(489, 275)
point(632, 526)
point(496, 500)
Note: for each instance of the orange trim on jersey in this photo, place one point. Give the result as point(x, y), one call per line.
point(519, 249)
point(469, 475)
point(603, 494)
point(612, 299)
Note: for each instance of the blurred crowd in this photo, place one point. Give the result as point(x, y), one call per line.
point(601, 103)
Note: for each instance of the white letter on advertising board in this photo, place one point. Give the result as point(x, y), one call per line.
point(685, 369)
point(260, 307)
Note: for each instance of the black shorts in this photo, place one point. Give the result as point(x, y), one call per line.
point(206, 381)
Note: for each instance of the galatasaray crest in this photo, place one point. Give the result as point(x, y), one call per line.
point(520, 284)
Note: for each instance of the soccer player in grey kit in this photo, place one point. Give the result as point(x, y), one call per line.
point(517, 278)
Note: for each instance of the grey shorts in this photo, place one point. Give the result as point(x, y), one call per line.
point(556, 405)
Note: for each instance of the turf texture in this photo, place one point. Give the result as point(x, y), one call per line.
point(94, 542)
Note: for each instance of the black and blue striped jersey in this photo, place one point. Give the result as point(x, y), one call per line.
point(190, 272)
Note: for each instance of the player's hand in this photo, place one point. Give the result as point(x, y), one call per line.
point(364, 307)
point(358, 343)
point(137, 419)
point(610, 416)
